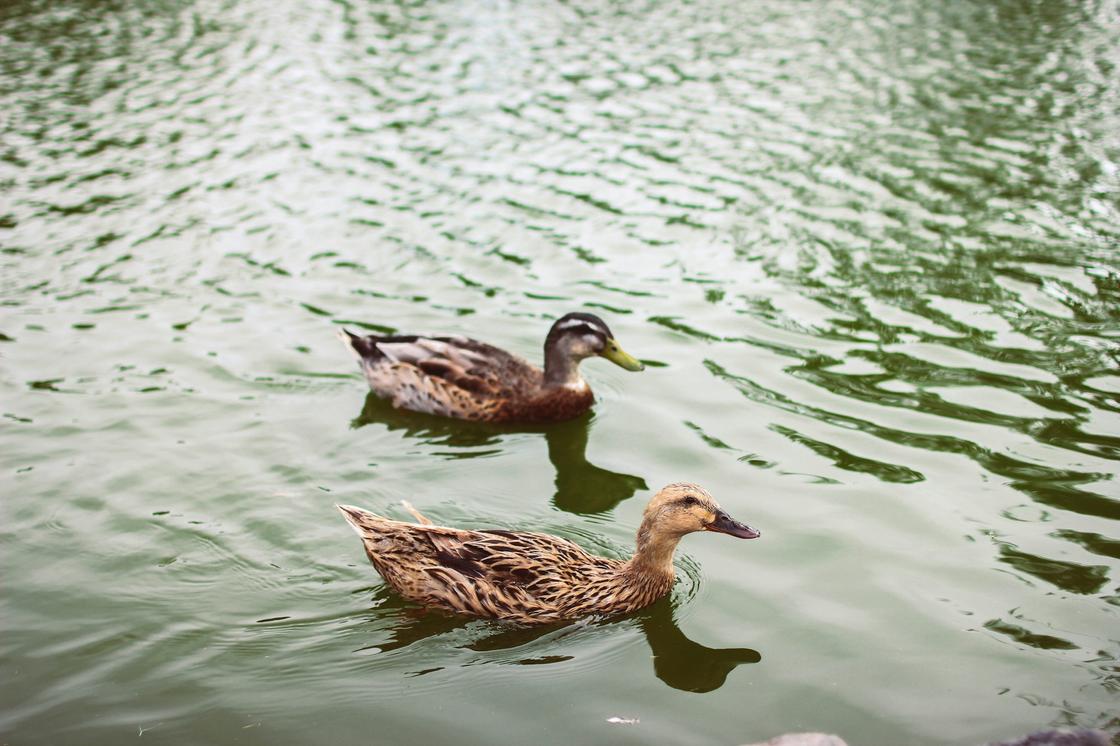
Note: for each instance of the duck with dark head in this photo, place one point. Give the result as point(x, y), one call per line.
point(471, 380)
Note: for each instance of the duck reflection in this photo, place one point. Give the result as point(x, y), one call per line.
point(679, 661)
point(431, 429)
point(581, 487)
point(683, 663)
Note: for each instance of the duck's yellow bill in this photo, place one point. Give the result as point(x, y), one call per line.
point(620, 357)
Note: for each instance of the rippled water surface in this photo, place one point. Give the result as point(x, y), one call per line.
point(867, 250)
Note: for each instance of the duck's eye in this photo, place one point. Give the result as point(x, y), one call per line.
point(690, 500)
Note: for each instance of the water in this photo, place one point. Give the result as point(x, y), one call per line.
point(868, 251)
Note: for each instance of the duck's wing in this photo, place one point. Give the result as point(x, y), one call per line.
point(465, 363)
point(441, 375)
point(468, 572)
point(517, 575)
point(514, 558)
point(404, 552)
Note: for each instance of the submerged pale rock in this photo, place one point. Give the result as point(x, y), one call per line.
point(803, 739)
point(1079, 737)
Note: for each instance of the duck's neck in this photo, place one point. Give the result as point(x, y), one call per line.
point(654, 556)
point(561, 369)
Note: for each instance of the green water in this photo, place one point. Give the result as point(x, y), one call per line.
point(868, 251)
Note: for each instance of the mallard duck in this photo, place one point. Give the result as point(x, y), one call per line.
point(463, 378)
point(536, 578)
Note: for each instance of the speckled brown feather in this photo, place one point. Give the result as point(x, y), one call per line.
point(525, 577)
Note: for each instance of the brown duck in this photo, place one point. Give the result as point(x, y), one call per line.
point(536, 578)
point(471, 380)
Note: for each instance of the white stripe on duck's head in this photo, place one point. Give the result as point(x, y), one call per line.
point(576, 336)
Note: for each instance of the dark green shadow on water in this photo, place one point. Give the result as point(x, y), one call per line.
point(679, 661)
point(683, 663)
point(581, 487)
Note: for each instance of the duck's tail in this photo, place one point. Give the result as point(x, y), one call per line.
point(362, 521)
point(364, 348)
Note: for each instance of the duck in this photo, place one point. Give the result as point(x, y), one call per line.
point(535, 578)
point(466, 379)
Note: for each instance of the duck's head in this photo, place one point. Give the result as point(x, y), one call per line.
point(576, 336)
point(683, 508)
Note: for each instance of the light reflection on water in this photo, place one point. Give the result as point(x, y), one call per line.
point(869, 253)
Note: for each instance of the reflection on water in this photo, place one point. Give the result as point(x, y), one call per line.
point(683, 663)
point(581, 487)
point(679, 661)
point(463, 436)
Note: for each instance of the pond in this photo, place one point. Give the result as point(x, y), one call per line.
point(867, 251)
